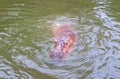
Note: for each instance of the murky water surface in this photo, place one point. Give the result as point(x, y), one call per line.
point(26, 38)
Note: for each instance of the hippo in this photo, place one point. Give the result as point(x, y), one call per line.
point(64, 38)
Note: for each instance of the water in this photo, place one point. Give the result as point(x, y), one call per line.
point(26, 38)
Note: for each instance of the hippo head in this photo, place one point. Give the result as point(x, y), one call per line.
point(64, 38)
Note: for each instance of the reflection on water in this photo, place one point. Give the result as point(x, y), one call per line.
point(26, 38)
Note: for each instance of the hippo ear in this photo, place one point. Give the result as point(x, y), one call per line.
point(71, 42)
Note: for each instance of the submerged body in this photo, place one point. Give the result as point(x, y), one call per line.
point(64, 38)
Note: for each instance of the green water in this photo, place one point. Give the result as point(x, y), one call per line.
point(26, 38)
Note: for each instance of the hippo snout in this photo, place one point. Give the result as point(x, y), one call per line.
point(56, 54)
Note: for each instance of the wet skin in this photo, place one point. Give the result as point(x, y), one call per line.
point(64, 38)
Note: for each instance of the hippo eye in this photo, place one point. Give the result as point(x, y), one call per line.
point(55, 42)
point(65, 43)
